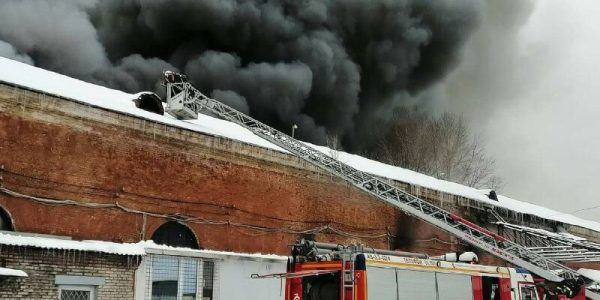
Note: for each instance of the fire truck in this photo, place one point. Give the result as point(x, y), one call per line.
point(322, 271)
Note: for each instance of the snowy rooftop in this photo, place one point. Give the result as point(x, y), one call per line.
point(12, 272)
point(140, 248)
point(63, 244)
point(16, 73)
point(151, 247)
point(591, 274)
point(561, 235)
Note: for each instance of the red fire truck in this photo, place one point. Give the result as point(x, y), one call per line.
point(320, 271)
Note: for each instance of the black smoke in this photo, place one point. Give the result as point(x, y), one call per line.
point(334, 67)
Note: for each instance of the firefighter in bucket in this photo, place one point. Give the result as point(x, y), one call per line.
point(173, 77)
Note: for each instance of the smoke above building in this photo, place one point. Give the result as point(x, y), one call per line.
point(334, 67)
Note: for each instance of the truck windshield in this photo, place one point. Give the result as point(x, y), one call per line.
point(528, 292)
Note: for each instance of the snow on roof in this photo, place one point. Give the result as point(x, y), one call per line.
point(12, 272)
point(62, 244)
point(30, 77)
point(560, 235)
point(16, 73)
point(154, 248)
point(591, 274)
point(139, 248)
point(412, 177)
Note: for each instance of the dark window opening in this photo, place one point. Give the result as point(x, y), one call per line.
point(208, 273)
point(528, 292)
point(150, 102)
point(322, 287)
point(165, 289)
point(175, 234)
point(491, 288)
point(5, 221)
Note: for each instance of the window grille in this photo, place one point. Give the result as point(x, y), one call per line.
point(75, 295)
point(180, 278)
point(67, 292)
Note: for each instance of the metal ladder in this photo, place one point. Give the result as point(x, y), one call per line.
point(496, 215)
point(551, 245)
point(347, 275)
point(184, 101)
point(554, 247)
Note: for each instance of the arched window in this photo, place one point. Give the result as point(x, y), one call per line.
point(175, 234)
point(6, 223)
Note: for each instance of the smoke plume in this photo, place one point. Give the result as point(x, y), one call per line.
point(334, 67)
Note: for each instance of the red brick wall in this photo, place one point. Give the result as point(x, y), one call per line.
point(58, 149)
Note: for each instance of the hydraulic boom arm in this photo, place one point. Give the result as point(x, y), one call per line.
point(184, 101)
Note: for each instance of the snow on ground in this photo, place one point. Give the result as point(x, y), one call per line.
point(33, 78)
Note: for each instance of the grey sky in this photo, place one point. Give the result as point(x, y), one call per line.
point(533, 92)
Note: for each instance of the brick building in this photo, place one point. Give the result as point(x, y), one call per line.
point(65, 269)
point(87, 162)
point(232, 192)
point(37, 266)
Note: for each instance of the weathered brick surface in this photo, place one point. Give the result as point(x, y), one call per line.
point(42, 266)
point(60, 149)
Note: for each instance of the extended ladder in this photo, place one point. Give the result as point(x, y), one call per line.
point(552, 245)
point(185, 102)
point(348, 267)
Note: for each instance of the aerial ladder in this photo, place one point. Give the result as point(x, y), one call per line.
point(184, 101)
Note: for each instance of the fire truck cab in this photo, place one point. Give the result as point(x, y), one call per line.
point(324, 274)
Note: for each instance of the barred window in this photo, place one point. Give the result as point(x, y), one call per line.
point(76, 292)
point(208, 276)
point(175, 277)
